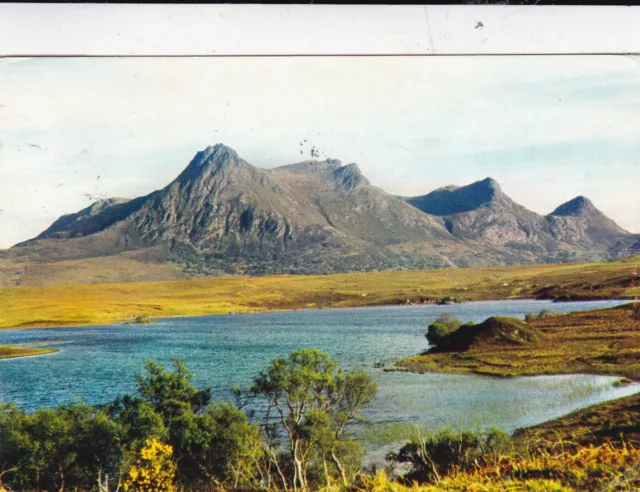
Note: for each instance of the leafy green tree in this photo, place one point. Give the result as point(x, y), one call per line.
point(171, 393)
point(312, 401)
point(66, 448)
point(211, 443)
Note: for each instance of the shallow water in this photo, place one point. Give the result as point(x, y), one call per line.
point(98, 363)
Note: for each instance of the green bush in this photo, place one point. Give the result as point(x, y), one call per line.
point(442, 333)
point(433, 456)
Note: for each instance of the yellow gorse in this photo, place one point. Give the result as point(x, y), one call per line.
point(153, 470)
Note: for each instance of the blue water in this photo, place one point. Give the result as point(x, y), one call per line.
point(98, 363)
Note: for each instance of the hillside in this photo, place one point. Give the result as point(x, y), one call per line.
point(608, 422)
point(222, 215)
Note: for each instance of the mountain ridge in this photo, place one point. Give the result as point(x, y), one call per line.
point(223, 214)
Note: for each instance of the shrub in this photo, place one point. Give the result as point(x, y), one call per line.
point(69, 447)
point(441, 328)
point(434, 456)
point(153, 469)
point(447, 333)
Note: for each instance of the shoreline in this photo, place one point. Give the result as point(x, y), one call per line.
point(621, 377)
point(155, 319)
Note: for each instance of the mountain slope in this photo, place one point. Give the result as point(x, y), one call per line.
point(482, 212)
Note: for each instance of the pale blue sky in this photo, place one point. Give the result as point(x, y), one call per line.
point(547, 128)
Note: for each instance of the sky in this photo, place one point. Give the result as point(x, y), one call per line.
point(547, 128)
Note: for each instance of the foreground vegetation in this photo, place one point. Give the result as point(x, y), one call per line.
point(171, 437)
point(66, 305)
point(604, 341)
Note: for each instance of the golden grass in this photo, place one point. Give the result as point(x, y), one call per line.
point(461, 483)
point(86, 304)
point(605, 341)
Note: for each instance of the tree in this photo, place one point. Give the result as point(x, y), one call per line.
point(314, 401)
point(66, 448)
point(171, 393)
point(211, 442)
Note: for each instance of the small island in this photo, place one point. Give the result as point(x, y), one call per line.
point(604, 341)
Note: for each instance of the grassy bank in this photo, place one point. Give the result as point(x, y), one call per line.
point(21, 350)
point(610, 422)
point(605, 341)
point(65, 305)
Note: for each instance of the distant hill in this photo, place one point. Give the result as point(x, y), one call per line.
point(482, 212)
point(223, 215)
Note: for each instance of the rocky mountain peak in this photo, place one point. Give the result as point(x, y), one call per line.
point(454, 200)
point(579, 206)
point(490, 184)
point(350, 176)
point(210, 161)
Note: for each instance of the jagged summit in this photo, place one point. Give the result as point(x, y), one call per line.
point(312, 166)
point(350, 176)
point(452, 200)
point(209, 161)
point(580, 205)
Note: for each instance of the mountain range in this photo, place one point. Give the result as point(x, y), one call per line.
point(223, 215)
